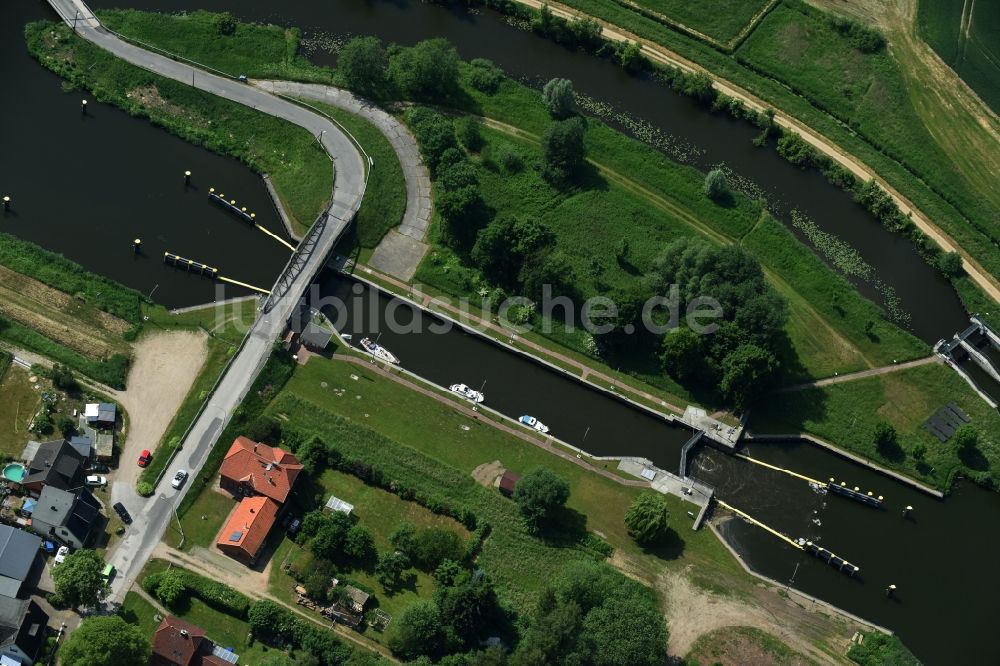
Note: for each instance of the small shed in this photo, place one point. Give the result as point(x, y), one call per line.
point(316, 337)
point(101, 414)
point(82, 444)
point(508, 482)
point(356, 598)
point(105, 448)
point(337, 504)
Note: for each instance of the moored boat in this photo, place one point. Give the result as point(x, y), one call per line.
point(378, 351)
point(534, 423)
point(467, 393)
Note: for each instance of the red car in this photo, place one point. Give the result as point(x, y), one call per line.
point(144, 458)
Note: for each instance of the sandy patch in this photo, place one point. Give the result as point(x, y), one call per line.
point(488, 473)
point(164, 367)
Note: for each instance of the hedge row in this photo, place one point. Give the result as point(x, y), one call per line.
point(219, 596)
point(276, 625)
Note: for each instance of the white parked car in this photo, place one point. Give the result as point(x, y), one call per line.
point(179, 478)
point(97, 480)
point(61, 554)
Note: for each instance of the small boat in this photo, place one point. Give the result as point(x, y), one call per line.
point(378, 351)
point(467, 393)
point(532, 422)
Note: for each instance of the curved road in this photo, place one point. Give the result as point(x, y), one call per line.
point(400, 252)
point(152, 515)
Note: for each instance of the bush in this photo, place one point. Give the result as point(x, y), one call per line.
point(225, 24)
point(363, 67)
point(426, 71)
point(469, 132)
point(647, 518)
point(539, 494)
point(559, 98)
point(563, 150)
point(485, 76)
point(433, 545)
point(144, 488)
point(215, 594)
point(717, 185)
point(950, 263)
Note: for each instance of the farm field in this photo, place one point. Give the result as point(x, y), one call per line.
point(720, 19)
point(967, 37)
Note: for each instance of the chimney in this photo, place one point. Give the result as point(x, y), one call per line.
point(255, 448)
point(253, 510)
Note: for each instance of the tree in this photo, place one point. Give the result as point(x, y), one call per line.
point(745, 372)
point(647, 518)
point(448, 573)
point(469, 132)
point(717, 185)
point(505, 244)
point(331, 537)
point(563, 151)
point(104, 640)
point(363, 67)
point(966, 438)
point(312, 455)
point(884, 438)
point(469, 609)
point(435, 134)
point(62, 377)
point(390, 568)
point(625, 631)
point(426, 71)
point(550, 268)
point(225, 24)
point(485, 76)
point(434, 545)
point(171, 587)
point(950, 263)
point(78, 580)
point(462, 211)
point(359, 543)
point(552, 638)
point(402, 537)
point(144, 488)
point(67, 426)
point(559, 98)
point(682, 356)
point(419, 631)
point(43, 422)
point(540, 493)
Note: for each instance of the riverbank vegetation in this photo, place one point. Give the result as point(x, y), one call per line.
point(852, 414)
point(299, 169)
point(907, 159)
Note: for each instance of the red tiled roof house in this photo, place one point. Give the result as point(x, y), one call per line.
point(263, 476)
point(252, 469)
point(179, 643)
point(244, 534)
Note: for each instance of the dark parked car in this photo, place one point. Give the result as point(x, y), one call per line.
point(123, 513)
point(99, 468)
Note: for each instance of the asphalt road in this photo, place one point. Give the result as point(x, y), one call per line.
point(152, 515)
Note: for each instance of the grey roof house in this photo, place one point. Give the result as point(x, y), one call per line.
point(22, 630)
point(57, 464)
point(100, 413)
point(68, 517)
point(82, 444)
point(18, 554)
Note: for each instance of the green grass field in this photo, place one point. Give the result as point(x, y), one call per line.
point(385, 198)
point(300, 170)
point(257, 50)
point(846, 414)
point(437, 431)
point(967, 37)
point(720, 19)
point(16, 409)
point(381, 512)
point(741, 645)
point(202, 520)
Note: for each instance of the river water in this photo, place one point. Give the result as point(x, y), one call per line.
point(97, 173)
point(87, 186)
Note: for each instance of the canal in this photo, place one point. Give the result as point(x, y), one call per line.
point(932, 305)
point(86, 186)
point(940, 557)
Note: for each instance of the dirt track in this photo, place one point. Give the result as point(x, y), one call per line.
point(661, 55)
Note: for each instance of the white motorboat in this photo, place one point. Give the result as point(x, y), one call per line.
point(378, 351)
point(467, 393)
point(532, 422)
